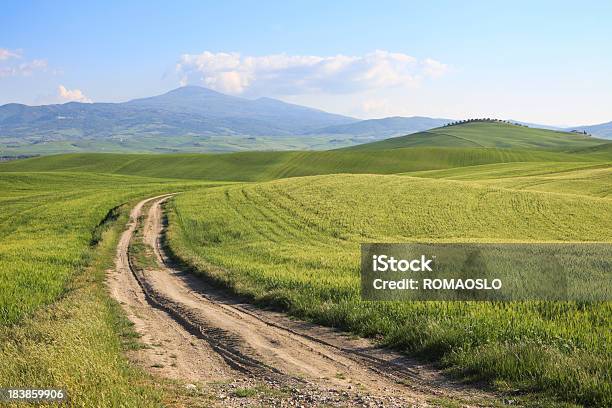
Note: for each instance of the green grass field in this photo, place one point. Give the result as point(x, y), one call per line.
point(487, 134)
point(262, 166)
point(291, 240)
point(138, 143)
point(47, 224)
point(295, 243)
point(77, 341)
point(475, 134)
point(564, 178)
point(58, 233)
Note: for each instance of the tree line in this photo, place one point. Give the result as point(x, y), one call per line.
point(490, 120)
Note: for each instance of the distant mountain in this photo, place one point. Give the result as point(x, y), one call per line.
point(188, 119)
point(603, 130)
point(383, 128)
point(280, 117)
point(189, 110)
point(196, 119)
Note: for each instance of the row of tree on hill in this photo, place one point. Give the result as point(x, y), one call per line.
point(490, 120)
point(460, 122)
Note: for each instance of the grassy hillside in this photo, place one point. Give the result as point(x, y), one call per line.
point(144, 139)
point(76, 342)
point(46, 226)
point(566, 178)
point(295, 243)
point(257, 166)
point(487, 134)
point(58, 327)
point(603, 151)
point(505, 170)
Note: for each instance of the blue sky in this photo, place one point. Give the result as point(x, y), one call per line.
point(549, 62)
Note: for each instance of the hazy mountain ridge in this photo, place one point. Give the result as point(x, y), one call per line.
point(194, 119)
point(601, 130)
point(183, 111)
point(189, 119)
point(385, 127)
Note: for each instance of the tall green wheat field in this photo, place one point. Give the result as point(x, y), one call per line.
point(284, 230)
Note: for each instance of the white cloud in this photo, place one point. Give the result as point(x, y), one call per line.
point(28, 68)
point(434, 68)
point(283, 74)
point(71, 95)
point(6, 54)
point(23, 69)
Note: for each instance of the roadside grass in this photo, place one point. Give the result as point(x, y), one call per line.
point(294, 244)
point(74, 343)
point(245, 392)
point(47, 224)
point(58, 325)
point(140, 253)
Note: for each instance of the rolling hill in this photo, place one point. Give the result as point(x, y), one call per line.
point(193, 119)
point(258, 166)
point(489, 134)
point(294, 243)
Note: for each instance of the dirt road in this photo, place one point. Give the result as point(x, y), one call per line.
point(201, 336)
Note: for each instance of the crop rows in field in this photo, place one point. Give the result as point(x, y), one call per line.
point(295, 243)
point(58, 327)
point(260, 166)
point(488, 134)
point(47, 224)
point(563, 178)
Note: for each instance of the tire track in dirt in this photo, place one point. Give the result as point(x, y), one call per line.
point(162, 337)
point(236, 339)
